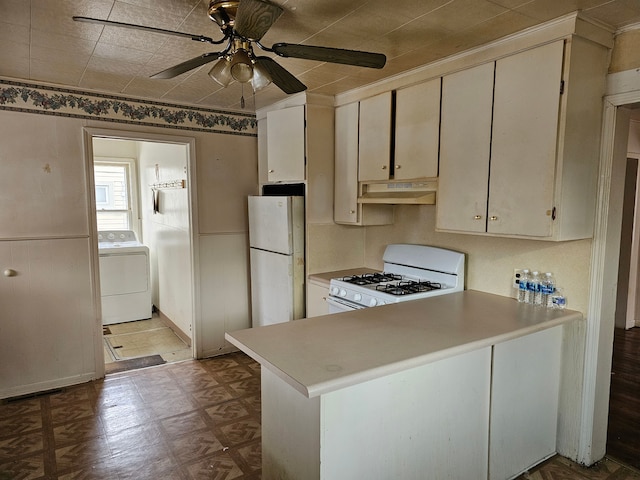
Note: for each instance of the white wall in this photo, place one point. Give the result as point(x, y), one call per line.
point(50, 333)
point(48, 308)
point(167, 232)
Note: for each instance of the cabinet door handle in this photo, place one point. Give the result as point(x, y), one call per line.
point(493, 218)
point(478, 217)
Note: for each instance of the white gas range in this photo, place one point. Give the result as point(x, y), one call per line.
point(410, 272)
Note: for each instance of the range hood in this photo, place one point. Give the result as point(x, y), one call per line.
point(414, 192)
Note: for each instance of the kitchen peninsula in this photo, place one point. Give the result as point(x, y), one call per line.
point(456, 386)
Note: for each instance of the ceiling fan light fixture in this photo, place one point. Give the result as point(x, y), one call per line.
point(241, 66)
point(221, 72)
point(261, 77)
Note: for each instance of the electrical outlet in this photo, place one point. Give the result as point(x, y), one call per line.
point(517, 273)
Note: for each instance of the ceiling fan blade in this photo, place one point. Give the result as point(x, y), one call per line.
point(188, 65)
point(284, 80)
point(199, 38)
point(255, 17)
point(332, 55)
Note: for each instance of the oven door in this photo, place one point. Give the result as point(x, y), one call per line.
point(338, 305)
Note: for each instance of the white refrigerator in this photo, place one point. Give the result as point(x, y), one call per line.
point(276, 241)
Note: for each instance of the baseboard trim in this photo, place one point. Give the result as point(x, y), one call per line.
point(183, 336)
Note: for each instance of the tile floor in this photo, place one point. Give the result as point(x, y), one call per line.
point(196, 419)
point(144, 338)
point(185, 420)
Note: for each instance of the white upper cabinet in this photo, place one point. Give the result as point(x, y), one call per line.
point(533, 172)
point(374, 147)
point(286, 144)
point(524, 139)
point(463, 190)
point(346, 209)
point(417, 131)
point(346, 168)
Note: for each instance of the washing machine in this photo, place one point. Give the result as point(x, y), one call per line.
point(125, 281)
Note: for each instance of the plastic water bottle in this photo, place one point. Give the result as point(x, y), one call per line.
point(533, 288)
point(523, 285)
point(547, 289)
point(558, 300)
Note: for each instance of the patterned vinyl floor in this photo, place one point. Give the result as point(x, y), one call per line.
point(187, 420)
point(178, 421)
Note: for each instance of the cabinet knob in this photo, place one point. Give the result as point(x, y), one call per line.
point(478, 217)
point(9, 272)
point(352, 211)
point(493, 218)
point(384, 167)
point(271, 171)
point(398, 167)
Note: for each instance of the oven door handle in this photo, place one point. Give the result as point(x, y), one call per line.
point(342, 304)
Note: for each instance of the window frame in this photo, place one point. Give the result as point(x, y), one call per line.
point(132, 189)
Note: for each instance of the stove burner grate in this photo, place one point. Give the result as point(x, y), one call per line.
point(408, 287)
point(371, 278)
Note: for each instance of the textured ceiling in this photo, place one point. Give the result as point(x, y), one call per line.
point(40, 42)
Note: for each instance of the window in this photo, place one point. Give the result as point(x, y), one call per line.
point(113, 193)
point(102, 195)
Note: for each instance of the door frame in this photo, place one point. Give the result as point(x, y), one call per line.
point(190, 142)
point(622, 89)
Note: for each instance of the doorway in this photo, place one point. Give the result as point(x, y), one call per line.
point(159, 209)
point(623, 437)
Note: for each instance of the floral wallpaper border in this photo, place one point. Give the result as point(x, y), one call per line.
point(47, 100)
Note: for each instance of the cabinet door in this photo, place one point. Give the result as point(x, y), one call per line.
point(465, 147)
point(525, 132)
point(345, 208)
point(286, 144)
point(317, 300)
point(374, 148)
point(417, 131)
point(524, 402)
point(49, 318)
point(263, 160)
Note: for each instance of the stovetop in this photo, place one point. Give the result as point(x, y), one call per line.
point(407, 276)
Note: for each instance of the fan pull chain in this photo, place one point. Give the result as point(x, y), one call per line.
point(242, 96)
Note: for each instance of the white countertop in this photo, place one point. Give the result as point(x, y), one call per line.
point(322, 354)
point(325, 277)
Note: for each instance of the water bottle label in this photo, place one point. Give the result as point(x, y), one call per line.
point(547, 289)
point(522, 285)
point(559, 301)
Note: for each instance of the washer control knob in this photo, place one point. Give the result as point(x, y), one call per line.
point(343, 292)
point(357, 297)
point(373, 302)
point(335, 290)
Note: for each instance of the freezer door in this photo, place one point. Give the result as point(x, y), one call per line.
point(270, 224)
point(272, 288)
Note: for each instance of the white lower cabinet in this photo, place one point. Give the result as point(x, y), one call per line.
point(525, 386)
point(486, 414)
point(426, 422)
point(47, 340)
point(317, 299)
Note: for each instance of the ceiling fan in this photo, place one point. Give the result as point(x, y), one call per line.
point(244, 23)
